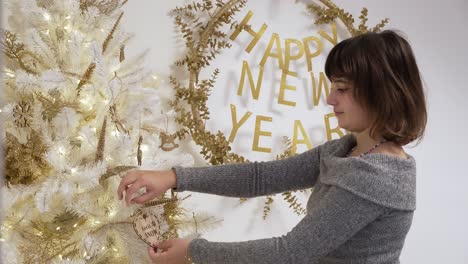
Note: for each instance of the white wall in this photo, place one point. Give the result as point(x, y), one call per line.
point(438, 34)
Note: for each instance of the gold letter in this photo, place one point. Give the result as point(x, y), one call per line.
point(284, 86)
point(295, 141)
point(333, 40)
point(255, 90)
point(235, 124)
point(288, 57)
point(259, 133)
point(309, 56)
point(336, 130)
point(243, 26)
point(279, 54)
point(322, 84)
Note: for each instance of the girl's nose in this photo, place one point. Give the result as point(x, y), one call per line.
point(331, 100)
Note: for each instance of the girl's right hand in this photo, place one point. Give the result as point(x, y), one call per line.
point(155, 182)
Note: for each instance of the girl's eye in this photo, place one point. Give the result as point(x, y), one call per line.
point(341, 90)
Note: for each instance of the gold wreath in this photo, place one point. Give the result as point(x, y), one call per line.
point(204, 40)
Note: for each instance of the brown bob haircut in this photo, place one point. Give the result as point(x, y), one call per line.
point(386, 80)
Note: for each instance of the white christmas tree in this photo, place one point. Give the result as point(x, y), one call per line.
point(76, 113)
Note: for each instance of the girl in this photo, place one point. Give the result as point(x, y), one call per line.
point(364, 183)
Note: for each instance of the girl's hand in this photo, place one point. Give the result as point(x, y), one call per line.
point(174, 251)
point(156, 183)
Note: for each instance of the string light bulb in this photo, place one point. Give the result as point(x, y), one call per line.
point(61, 150)
point(46, 16)
point(144, 147)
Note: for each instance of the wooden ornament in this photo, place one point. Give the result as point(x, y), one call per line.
point(148, 228)
point(168, 141)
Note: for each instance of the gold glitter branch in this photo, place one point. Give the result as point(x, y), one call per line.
point(118, 123)
point(46, 240)
point(202, 48)
point(267, 206)
point(289, 197)
point(139, 151)
point(292, 200)
point(111, 34)
point(92, 66)
point(331, 12)
point(208, 35)
point(86, 77)
point(102, 141)
point(53, 103)
point(25, 163)
point(115, 171)
point(104, 6)
point(15, 50)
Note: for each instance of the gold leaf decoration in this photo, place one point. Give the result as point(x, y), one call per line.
point(331, 12)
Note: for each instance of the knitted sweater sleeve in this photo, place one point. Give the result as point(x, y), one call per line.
point(252, 179)
point(331, 222)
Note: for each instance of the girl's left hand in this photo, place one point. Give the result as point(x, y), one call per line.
point(174, 251)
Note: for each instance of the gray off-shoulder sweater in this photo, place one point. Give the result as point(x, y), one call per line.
point(360, 210)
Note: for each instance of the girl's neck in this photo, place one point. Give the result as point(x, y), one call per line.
point(364, 142)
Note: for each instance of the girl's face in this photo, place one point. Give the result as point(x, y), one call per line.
point(350, 114)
